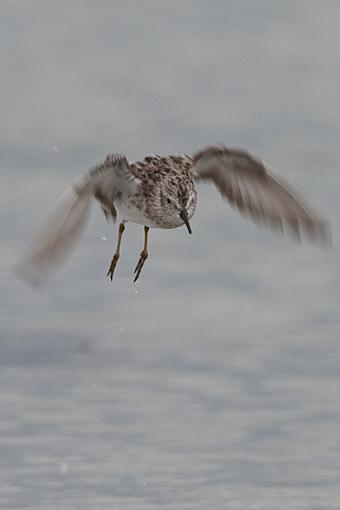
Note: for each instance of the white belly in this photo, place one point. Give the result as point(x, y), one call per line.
point(129, 212)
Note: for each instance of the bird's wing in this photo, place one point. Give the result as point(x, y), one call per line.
point(249, 185)
point(69, 216)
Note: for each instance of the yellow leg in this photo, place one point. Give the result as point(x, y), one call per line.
point(116, 253)
point(143, 255)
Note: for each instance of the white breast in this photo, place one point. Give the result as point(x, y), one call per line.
point(129, 212)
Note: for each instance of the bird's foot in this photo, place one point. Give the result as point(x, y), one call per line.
point(142, 258)
point(113, 266)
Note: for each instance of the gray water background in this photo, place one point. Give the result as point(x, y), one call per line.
point(214, 382)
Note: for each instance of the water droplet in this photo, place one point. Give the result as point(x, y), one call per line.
point(63, 468)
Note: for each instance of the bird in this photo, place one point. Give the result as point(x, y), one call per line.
point(160, 192)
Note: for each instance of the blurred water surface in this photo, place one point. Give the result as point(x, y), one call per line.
point(214, 382)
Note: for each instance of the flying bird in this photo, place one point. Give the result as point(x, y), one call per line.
point(160, 192)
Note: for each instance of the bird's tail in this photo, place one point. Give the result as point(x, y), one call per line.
point(57, 236)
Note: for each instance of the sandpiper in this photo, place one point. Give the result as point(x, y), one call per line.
point(160, 192)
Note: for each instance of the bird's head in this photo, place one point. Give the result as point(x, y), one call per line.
point(179, 203)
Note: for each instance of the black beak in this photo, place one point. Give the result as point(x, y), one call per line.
point(184, 217)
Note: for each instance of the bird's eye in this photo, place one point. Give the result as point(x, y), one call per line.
point(168, 200)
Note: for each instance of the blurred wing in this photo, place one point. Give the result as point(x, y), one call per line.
point(68, 218)
point(256, 192)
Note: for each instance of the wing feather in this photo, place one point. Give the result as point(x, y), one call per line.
point(256, 191)
point(68, 218)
